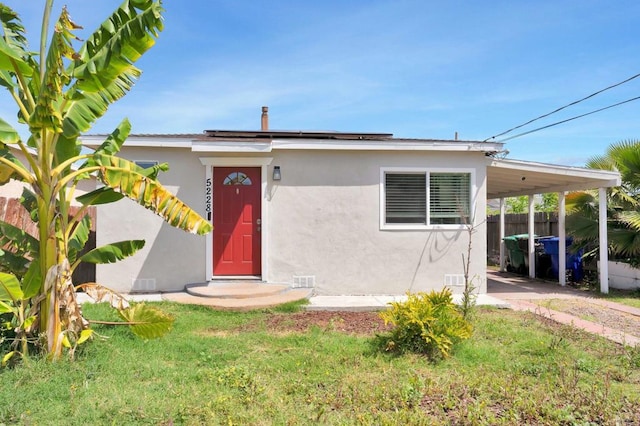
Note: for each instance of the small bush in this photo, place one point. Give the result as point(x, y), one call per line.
point(427, 323)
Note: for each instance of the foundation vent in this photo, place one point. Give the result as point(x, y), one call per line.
point(454, 280)
point(304, 281)
point(144, 284)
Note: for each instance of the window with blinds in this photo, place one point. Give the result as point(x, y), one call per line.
point(406, 198)
point(450, 198)
point(406, 202)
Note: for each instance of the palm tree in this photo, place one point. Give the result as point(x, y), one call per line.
point(60, 92)
point(623, 204)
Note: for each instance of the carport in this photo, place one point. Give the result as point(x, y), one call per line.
point(512, 178)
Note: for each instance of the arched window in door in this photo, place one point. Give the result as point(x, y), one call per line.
point(237, 178)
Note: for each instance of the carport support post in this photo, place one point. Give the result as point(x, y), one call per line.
point(604, 245)
point(562, 240)
point(503, 208)
point(532, 254)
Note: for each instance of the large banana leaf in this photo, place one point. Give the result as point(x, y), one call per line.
point(7, 133)
point(6, 308)
point(102, 195)
point(85, 108)
point(46, 115)
point(13, 263)
point(116, 139)
point(146, 321)
point(7, 81)
point(16, 170)
point(110, 146)
point(10, 289)
point(13, 44)
point(117, 174)
point(78, 238)
point(13, 31)
point(111, 253)
point(100, 293)
point(18, 241)
point(29, 201)
point(106, 195)
point(67, 148)
point(104, 69)
point(119, 42)
point(32, 280)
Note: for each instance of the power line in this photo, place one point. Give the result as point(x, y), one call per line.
point(568, 119)
point(563, 107)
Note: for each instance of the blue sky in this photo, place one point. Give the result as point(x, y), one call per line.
point(414, 68)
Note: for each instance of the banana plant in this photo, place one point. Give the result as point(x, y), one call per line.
point(60, 92)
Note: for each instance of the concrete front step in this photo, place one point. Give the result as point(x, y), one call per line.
point(243, 303)
point(235, 290)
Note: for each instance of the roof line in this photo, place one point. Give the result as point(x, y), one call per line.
point(282, 134)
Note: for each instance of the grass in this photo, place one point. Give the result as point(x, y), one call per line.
point(233, 368)
point(626, 297)
point(591, 285)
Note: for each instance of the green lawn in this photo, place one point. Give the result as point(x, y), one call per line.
point(626, 297)
point(630, 298)
point(232, 368)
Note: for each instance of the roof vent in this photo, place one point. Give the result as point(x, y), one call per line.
point(265, 119)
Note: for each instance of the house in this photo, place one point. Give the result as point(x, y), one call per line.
point(344, 213)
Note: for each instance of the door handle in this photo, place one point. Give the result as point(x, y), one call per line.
point(258, 221)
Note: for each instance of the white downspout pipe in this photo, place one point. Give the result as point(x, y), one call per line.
point(503, 208)
point(604, 245)
point(532, 254)
point(562, 242)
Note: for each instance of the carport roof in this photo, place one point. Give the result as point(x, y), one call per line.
point(510, 178)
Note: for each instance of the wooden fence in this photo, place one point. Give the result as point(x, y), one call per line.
point(12, 212)
point(546, 224)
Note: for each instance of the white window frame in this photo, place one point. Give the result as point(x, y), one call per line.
point(426, 171)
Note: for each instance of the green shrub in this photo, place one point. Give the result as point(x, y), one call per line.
point(426, 323)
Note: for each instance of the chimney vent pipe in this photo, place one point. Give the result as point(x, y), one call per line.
point(265, 119)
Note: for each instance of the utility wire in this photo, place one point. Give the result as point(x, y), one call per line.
point(568, 119)
point(563, 107)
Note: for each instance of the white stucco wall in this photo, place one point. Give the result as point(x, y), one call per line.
point(171, 257)
point(323, 222)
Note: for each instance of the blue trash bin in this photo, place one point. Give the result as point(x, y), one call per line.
point(573, 260)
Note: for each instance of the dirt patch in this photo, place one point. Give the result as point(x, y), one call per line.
point(607, 317)
point(361, 323)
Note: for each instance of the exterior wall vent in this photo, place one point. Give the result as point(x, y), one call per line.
point(454, 280)
point(304, 281)
point(143, 284)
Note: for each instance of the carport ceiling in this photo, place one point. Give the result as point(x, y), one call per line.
point(511, 178)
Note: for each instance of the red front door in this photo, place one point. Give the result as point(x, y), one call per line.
point(236, 221)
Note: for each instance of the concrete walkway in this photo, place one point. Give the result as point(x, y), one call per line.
point(379, 302)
